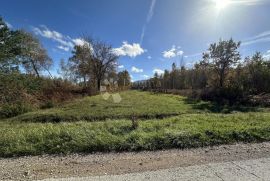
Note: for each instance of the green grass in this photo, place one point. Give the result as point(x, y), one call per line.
point(134, 103)
point(185, 131)
point(165, 121)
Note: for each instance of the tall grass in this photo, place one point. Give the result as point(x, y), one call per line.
point(185, 131)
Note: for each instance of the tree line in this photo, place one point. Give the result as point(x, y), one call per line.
point(221, 75)
point(26, 81)
point(21, 51)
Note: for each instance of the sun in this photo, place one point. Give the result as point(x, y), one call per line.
point(221, 4)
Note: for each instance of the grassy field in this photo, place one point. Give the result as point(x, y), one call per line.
point(134, 103)
point(165, 121)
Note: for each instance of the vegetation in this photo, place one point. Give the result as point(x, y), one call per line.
point(185, 131)
point(23, 62)
point(41, 114)
point(134, 104)
point(164, 121)
point(220, 76)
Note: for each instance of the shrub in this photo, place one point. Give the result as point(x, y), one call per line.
point(11, 110)
point(48, 104)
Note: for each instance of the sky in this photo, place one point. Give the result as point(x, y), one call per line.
point(148, 35)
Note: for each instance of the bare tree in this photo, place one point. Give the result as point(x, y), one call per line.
point(103, 59)
point(92, 60)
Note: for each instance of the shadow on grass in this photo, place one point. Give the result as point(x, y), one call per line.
point(216, 107)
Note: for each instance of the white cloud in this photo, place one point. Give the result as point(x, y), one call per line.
point(151, 11)
point(148, 19)
point(262, 37)
point(121, 66)
point(248, 2)
point(64, 41)
point(158, 71)
point(180, 52)
point(136, 70)
point(145, 76)
point(79, 42)
point(149, 57)
point(63, 48)
point(267, 55)
point(9, 25)
point(173, 52)
point(142, 34)
point(131, 50)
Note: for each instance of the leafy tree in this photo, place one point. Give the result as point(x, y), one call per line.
point(10, 42)
point(124, 79)
point(80, 63)
point(173, 76)
point(257, 74)
point(221, 57)
point(34, 57)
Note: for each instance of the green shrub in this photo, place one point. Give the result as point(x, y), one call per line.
point(48, 104)
point(11, 110)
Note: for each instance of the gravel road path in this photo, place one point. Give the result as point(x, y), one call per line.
point(248, 170)
point(75, 165)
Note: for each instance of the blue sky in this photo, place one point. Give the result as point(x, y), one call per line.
point(149, 35)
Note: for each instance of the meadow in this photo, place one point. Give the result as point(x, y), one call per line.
point(93, 124)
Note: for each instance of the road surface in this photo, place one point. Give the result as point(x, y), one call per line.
point(248, 170)
point(227, 162)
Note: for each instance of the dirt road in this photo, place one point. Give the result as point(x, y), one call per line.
point(44, 167)
point(246, 170)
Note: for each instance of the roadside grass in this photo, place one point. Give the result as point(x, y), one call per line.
point(142, 105)
point(184, 131)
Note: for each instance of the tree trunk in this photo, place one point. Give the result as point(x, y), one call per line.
point(98, 84)
point(221, 79)
point(35, 68)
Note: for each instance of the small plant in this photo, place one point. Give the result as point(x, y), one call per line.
point(135, 122)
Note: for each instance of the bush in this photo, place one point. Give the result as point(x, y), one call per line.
point(47, 105)
point(223, 96)
point(20, 93)
point(11, 110)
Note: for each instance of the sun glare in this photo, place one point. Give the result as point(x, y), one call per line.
point(221, 4)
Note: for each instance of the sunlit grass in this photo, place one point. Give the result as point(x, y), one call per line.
point(185, 131)
point(134, 103)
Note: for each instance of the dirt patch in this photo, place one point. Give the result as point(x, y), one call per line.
point(41, 167)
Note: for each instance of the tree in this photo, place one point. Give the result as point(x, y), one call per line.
point(257, 74)
point(10, 42)
point(34, 57)
point(103, 59)
point(221, 57)
point(173, 76)
point(80, 63)
point(124, 79)
point(156, 81)
point(93, 60)
point(166, 78)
